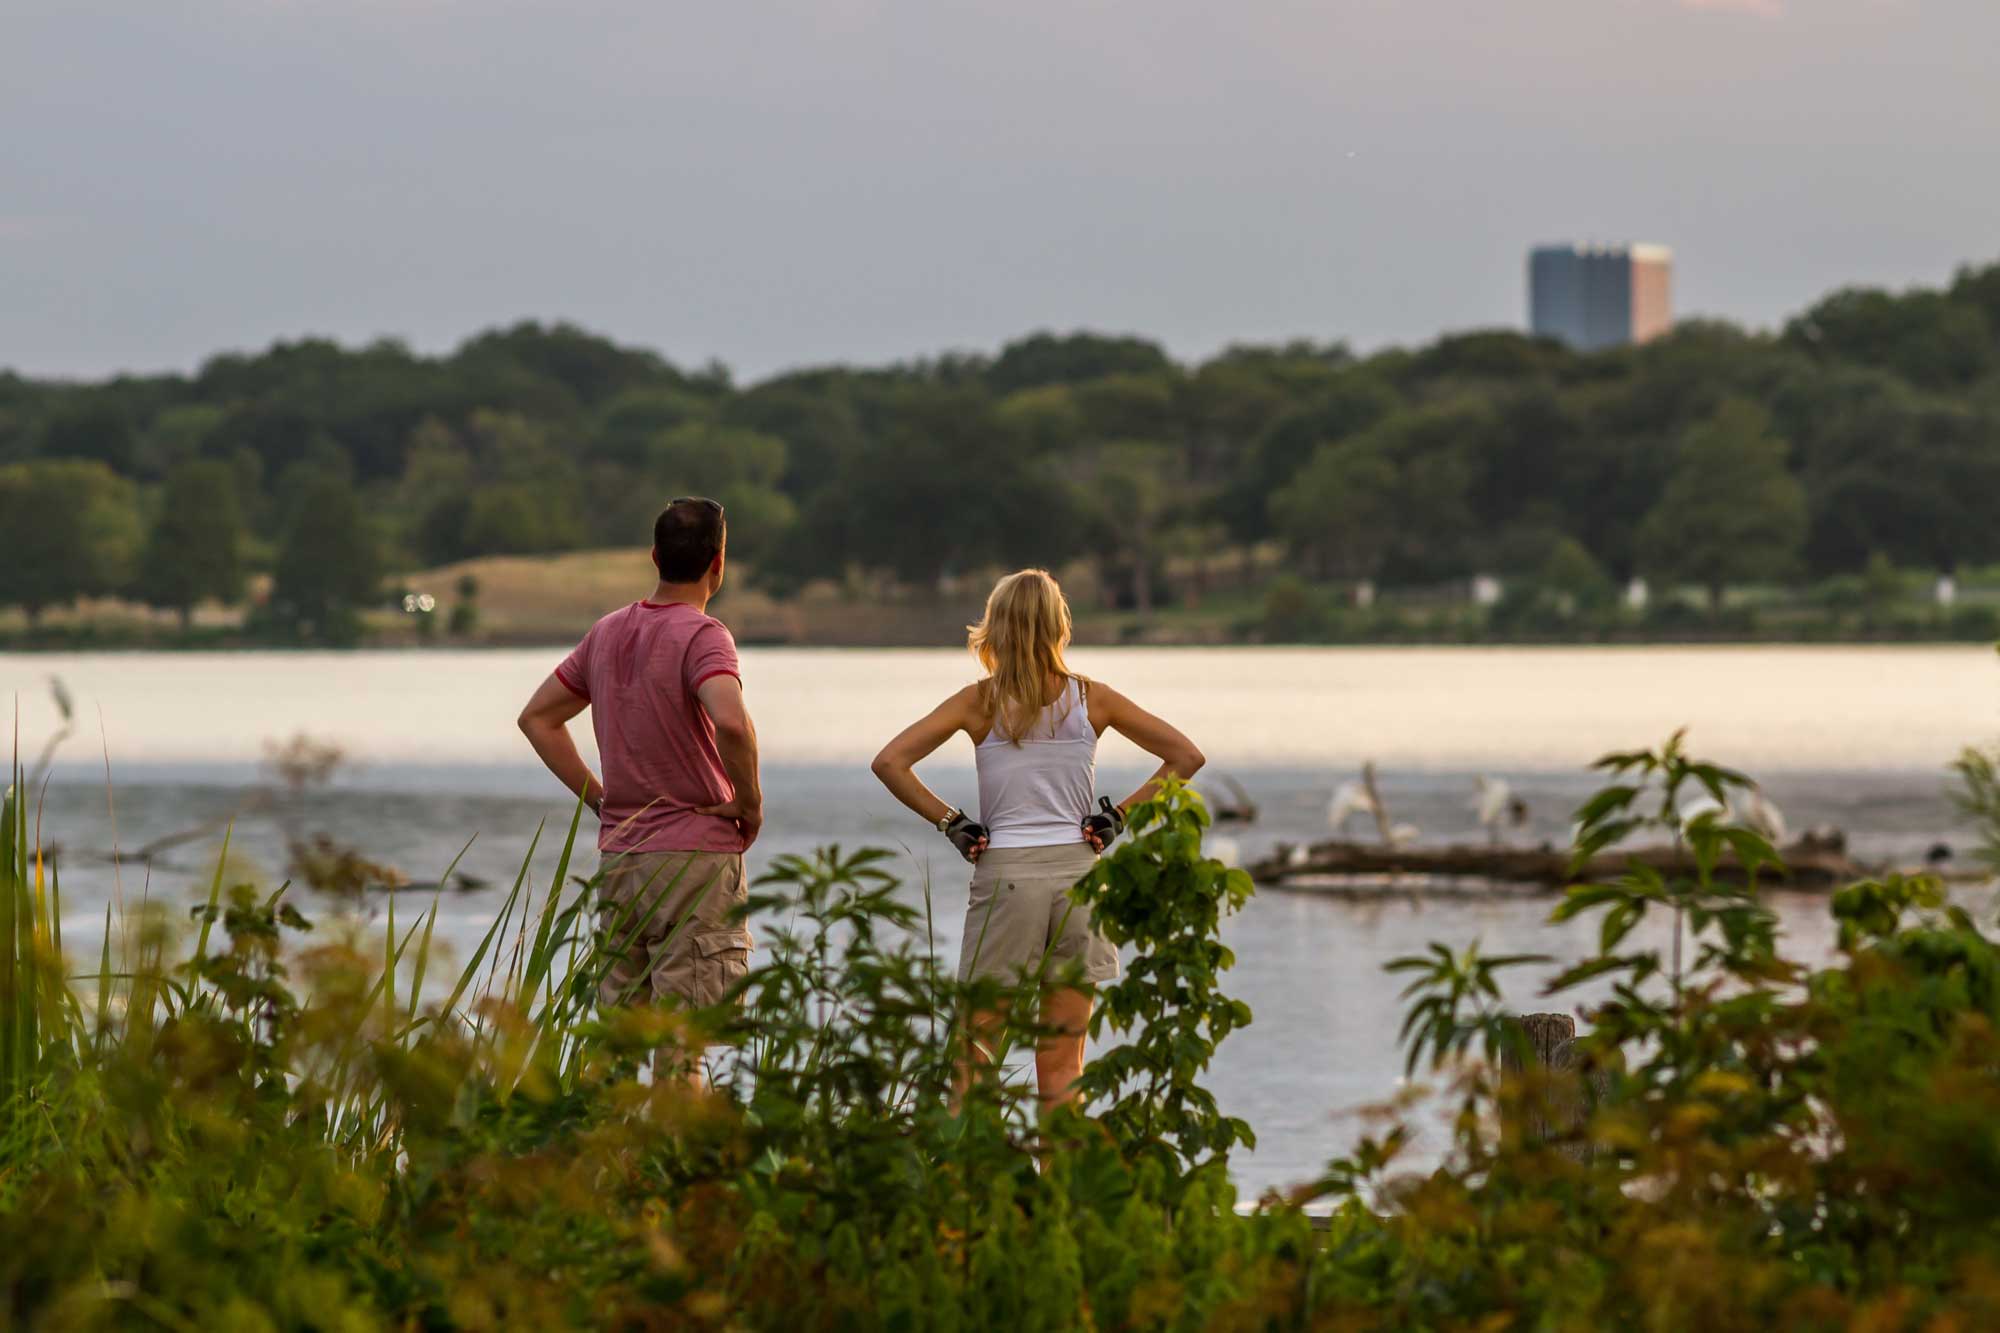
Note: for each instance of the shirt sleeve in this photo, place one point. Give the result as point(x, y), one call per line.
point(574, 671)
point(711, 653)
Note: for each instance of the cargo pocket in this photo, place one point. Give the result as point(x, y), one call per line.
point(723, 959)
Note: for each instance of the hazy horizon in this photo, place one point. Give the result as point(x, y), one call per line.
point(876, 180)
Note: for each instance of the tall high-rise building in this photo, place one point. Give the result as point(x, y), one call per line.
point(1595, 296)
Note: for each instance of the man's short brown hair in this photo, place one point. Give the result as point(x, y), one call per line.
point(687, 536)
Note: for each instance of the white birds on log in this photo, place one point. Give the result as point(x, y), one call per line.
point(1498, 807)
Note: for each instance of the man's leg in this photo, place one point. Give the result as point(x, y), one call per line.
point(637, 903)
point(707, 951)
point(628, 896)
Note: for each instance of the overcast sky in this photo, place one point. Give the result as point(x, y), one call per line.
point(783, 182)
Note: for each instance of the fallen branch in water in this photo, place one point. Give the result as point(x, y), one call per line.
point(1815, 861)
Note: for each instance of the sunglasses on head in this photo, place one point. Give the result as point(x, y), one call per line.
point(716, 505)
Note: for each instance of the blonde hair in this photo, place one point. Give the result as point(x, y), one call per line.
point(1020, 642)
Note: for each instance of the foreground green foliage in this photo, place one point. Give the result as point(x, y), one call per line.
point(264, 1135)
point(1744, 1142)
point(268, 1128)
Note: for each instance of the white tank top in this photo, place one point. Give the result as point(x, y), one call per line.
point(1036, 793)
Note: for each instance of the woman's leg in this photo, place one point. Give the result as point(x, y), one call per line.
point(1059, 1056)
point(975, 1055)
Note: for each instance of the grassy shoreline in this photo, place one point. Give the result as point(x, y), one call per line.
point(535, 601)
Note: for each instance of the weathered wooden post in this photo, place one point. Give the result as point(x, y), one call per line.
point(1555, 1107)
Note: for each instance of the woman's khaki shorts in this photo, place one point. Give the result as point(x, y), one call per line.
point(1021, 914)
point(673, 920)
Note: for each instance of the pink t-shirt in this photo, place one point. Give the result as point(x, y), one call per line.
point(639, 668)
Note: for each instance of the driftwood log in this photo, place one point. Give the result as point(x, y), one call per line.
point(1812, 862)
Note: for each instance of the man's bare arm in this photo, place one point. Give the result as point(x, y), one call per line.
point(544, 721)
point(736, 741)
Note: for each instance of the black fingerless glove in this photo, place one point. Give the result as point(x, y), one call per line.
point(965, 834)
point(1106, 822)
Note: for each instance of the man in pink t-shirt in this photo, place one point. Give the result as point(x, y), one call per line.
point(679, 802)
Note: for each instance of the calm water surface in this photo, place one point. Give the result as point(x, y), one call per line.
point(1852, 736)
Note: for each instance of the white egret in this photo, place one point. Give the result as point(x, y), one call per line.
point(1761, 814)
point(1350, 799)
point(1701, 803)
point(1497, 805)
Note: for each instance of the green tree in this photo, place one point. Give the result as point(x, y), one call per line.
point(1357, 401)
point(465, 610)
point(942, 489)
point(629, 423)
point(1905, 474)
point(1979, 287)
point(1926, 337)
point(434, 496)
point(71, 529)
point(1129, 407)
point(329, 562)
point(1130, 491)
point(1571, 573)
point(815, 415)
point(1046, 358)
point(1731, 512)
point(758, 517)
point(1290, 612)
point(1883, 587)
point(95, 428)
point(587, 368)
point(514, 518)
point(530, 497)
point(195, 548)
point(1221, 408)
point(741, 468)
point(1046, 419)
point(1340, 511)
point(704, 459)
point(176, 435)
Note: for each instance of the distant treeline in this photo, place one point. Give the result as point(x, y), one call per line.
point(1868, 427)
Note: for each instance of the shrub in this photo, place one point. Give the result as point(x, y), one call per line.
point(1745, 1143)
point(1290, 610)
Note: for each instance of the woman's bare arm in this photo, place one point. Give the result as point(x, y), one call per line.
point(896, 766)
point(1179, 757)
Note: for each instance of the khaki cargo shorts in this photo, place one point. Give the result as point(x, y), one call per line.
point(672, 920)
point(1020, 913)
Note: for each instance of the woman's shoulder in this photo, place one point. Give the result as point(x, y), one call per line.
point(969, 702)
point(1099, 700)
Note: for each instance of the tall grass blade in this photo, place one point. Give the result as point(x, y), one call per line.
point(104, 982)
point(14, 985)
point(538, 958)
point(471, 971)
point(389, 956)
point(214, 899)
point(423, 960)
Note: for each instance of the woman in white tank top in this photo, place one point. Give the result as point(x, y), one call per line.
point(1034, 726)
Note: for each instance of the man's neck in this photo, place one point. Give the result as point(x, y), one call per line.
point(694, 594)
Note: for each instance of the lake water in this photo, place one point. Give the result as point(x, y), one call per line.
point(1856, 737)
